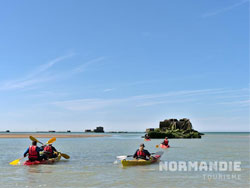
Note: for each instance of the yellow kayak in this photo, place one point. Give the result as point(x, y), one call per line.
point(136, 162)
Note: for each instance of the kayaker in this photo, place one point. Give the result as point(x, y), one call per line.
point(165, 142)
point(141, 153)
point(33, 152)
point(50, 151)
point(146, 136)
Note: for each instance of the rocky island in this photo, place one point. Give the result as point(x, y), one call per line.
point(173, 128)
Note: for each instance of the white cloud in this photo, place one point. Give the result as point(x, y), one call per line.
point(84, 66)
point(152, 103)
point(240, 103)
point(85, 104)
point(225, 9)
point(39, 75)
point(42, 74)
point(141, 100)
point(51, 63)
point(108, 89)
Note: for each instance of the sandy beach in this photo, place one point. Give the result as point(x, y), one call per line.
point(49, 135)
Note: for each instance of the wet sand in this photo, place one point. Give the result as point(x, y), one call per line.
point(49, 135)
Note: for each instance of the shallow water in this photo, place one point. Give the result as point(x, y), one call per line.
point(92, 162)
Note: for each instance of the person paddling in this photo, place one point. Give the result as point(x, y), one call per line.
point(146, 137)
point(33, 152)
point(141, 153)
point(50, 151)
point(165, 142)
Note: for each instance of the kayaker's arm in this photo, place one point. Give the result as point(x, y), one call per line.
point(38, 149)
point(26, 152)
point(147, 153)
point(54, 149)
point(135, 155)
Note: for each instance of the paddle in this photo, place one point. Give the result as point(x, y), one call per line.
point(65, 156)
point(50, 142)
point(122, 157)
point(34, 139)
point(16, 162)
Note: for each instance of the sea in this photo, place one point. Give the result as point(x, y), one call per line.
point(216, 160)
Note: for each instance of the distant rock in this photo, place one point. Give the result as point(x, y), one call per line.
point(99, 130)
point(183, 124)
point(96, 130)
point(173, 128)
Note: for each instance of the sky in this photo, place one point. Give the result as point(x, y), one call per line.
point(124, 65)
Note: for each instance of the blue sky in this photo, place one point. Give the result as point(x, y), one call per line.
point(125, 65)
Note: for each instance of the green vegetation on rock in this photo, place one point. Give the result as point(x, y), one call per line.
point(173, 128)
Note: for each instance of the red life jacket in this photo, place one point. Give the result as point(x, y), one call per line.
point(33, 154)
point(141, 154)
point(49, 150)
point(165, 142)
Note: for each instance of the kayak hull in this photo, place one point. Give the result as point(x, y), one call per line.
point(147, 139)
point(49, 161)
point(136, 162)
point(164, 146)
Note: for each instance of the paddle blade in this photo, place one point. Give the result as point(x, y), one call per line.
point(121, 157)
point(51, 140)
point(159, 153)
point(15, 162)
point(33, 139)
point(65, 156)
point(157, 146)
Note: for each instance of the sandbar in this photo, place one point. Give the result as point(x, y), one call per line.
point(49, 135)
